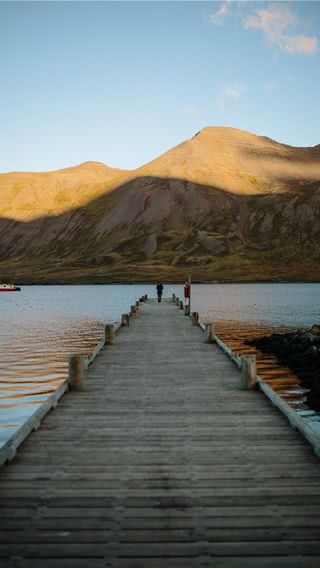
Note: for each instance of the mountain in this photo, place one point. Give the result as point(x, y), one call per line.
point(224, 205)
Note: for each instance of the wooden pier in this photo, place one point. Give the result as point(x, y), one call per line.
point(161, 461)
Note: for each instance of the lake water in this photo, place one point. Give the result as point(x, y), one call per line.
point(42, 325)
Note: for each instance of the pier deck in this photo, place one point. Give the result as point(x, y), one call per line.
point(163, 461)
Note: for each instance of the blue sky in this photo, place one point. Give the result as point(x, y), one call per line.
point(122, 82)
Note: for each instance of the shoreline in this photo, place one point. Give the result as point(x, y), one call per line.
point(167, 282)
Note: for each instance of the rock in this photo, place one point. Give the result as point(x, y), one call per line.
point(300, 351)
point(312, 351)
point(212, 243)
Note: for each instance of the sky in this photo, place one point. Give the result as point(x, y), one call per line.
point(122, 82)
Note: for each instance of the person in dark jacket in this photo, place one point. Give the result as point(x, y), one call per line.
point(159, 291)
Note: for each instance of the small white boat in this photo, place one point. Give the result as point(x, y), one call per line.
point(9, 288)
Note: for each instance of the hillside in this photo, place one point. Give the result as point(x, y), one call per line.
point(224, 205)
point(28, 195)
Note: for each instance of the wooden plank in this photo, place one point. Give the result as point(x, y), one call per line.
point(218, 561)
point(160, 536)
point(168, 488)
point(220, 522)
point(54, 561)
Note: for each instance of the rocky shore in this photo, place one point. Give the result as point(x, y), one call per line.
point(300, 351)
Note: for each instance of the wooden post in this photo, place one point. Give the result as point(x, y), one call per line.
point(173, 297)
point(187, 310)
point(77, 377)
point(145, 297)
point(195, 318)
point(124, 320)
point(109, 334)
point(210, 332)
point(137, 304)
point(177, 301)
point(248, 371)
point(133, 310)
point(181, 304)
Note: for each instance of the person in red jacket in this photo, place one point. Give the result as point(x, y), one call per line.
point(187, 289)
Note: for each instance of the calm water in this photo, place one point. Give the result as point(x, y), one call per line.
point(42, 325)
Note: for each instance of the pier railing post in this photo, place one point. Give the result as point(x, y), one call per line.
point(210, 332)
point(124, 320)
point(248, 371)
point(137, 304)
point(177, 301)
point(109, 334)
point(77, 377)
point(181, 304)
point(195, 318)
point(173, 297)
point(133, 310)
point(145, 297)
point(187, 309)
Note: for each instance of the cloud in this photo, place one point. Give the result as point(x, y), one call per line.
point(223, 11)
point(277, 24)
point(301, 44)
point(230, 91)
point(270, 86)
point(233, 91)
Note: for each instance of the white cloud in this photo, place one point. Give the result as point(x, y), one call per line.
point(223, 11)
point(301, 44)
point(270, 86)
point(277, 24)
point(230, 91)
point(233, 91)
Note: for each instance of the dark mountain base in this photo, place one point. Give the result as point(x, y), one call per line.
point(232, 268)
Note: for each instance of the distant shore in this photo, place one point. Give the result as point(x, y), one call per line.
point(152, 281)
